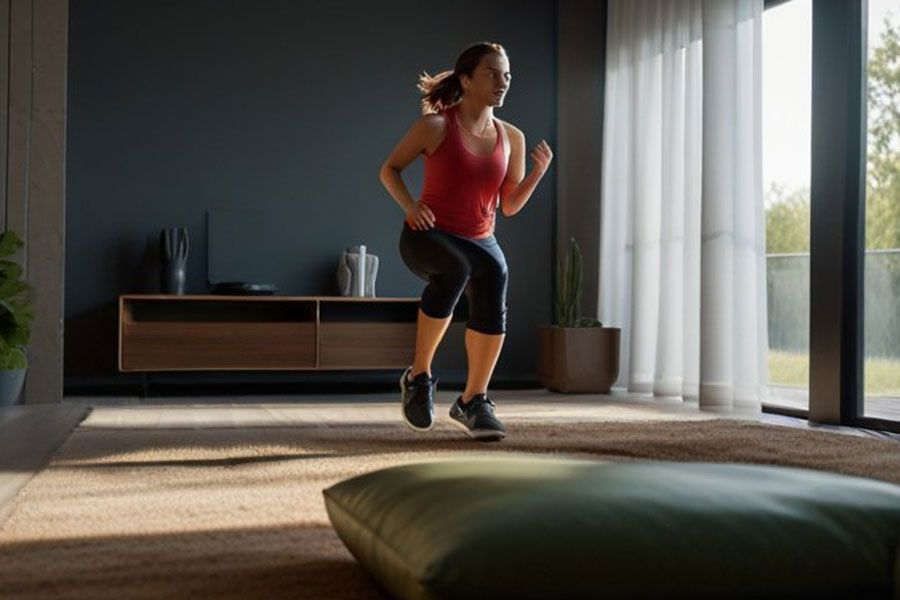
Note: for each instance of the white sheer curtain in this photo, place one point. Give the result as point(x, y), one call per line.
point(682, 234)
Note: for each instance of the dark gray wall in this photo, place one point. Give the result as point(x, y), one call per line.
point(178, 107)
point(582, 71)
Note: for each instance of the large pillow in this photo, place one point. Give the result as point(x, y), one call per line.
point(549, 528)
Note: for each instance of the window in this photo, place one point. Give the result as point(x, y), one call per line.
point(786, 112)
point(881, 366)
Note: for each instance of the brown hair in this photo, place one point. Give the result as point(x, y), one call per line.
point(444, 89)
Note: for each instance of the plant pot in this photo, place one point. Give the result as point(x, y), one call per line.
point(578, 359)
point(11, 385)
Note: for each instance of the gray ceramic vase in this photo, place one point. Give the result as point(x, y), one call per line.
point(356, 272)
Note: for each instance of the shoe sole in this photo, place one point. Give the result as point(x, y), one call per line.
point(403, 412)
point(479, 434)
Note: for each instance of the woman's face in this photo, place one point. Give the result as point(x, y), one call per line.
point(490, 80)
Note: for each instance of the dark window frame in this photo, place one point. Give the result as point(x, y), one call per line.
point(837, 228)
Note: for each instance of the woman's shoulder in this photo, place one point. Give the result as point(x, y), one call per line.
point(514, 134)
point(432, 125)
point(440, 119)
point(433, 120)
point(432, 130)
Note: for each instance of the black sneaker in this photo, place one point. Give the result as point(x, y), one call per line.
point(417, 399)
point(477, 418)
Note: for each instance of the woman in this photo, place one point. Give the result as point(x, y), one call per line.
point(473, 164)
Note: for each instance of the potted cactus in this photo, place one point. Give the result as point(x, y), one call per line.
point(16, 315)
point(576, 353)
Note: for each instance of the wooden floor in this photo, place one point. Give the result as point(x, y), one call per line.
point(29, 435)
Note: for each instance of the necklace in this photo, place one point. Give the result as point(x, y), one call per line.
point(472, 133)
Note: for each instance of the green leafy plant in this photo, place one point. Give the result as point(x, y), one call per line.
point(16, 311)
point(569, 280)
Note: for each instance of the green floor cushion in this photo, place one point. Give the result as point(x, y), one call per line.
point(552, 528)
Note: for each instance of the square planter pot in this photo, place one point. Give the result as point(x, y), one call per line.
point(578, 359)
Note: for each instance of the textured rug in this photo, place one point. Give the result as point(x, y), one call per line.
point(238, 513)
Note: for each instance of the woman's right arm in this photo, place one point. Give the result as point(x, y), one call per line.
point(424, 134)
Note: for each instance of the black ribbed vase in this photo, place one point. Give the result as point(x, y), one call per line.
point(173, 249)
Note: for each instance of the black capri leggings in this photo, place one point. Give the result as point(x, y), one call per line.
point(452, 264)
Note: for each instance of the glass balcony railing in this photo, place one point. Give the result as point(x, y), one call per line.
point(788, 307)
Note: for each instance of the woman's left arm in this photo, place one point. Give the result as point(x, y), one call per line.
point(516, 188)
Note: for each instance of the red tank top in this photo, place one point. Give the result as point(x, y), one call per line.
point(462, 188)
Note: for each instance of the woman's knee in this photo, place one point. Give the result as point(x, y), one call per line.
point(489, 324)
point(487, 305)
point(444, 289)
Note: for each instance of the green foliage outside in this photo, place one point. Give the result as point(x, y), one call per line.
point(787, 220)
point(882, 376)
point(787, 215)
point(788, 231)
point(883, 165)
point(16, 313)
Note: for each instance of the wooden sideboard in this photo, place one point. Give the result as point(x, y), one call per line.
point(210, 332)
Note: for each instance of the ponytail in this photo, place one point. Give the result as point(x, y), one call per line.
point(439, 92)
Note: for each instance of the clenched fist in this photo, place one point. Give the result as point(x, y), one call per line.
point(541, 155)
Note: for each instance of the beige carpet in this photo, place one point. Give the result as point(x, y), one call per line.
point(238, 513)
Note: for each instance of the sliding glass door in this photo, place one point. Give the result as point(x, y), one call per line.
point(833, 244)
point(786, 112)
point(882, 215)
